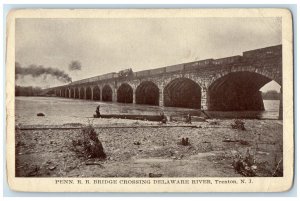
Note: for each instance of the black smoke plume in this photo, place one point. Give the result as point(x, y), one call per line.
point(74, 65)
point(36, 71)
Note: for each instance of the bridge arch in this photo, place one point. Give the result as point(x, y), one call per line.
point(96, 93)
point(77, 93)
point(72, 92)
point(182, 92)
point(147, 93)
point(67, 92)
point(125, 93)
point(106, 93)
point(88, 93)
point(258, 70)
point(81, 94)
point(62, 93)
point(237, 91)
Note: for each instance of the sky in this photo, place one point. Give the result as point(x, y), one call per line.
point(110, 45)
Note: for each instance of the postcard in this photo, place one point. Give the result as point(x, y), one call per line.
point(150, 100)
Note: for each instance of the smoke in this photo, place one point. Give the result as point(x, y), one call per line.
point(74, 65)
point(40, 71)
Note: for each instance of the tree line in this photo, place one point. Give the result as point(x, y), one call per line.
point(27, 91)
point(271, 95)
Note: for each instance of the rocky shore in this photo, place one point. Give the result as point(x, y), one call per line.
point(141, 149)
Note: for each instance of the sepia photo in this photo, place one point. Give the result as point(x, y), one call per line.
point(150, 100)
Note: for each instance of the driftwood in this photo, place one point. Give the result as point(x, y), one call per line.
point(134, 117)
point(155, 175)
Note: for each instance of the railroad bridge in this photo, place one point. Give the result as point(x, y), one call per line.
point(225, 84)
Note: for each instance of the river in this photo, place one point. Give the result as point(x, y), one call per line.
point(63, 110)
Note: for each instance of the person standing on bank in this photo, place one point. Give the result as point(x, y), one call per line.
point(98, 111)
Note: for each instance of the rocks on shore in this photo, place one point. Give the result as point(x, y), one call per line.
point(40, 114)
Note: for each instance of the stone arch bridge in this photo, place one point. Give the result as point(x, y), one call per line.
point(225, 84)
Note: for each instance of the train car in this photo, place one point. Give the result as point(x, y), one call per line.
point(227, 60)
point(274, 51)
point(143, 73)
point(94, 79)
point(198, 64)
point(174, 68)
point(205, 62)
point(115, 75)
point(157, 71)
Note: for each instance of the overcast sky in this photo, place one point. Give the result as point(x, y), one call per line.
point(110, 45)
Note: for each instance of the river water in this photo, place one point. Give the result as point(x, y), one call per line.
point(63, 110)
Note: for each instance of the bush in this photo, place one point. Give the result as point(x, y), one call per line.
point(245, 165)
point(92, 146)
point(238, 124)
